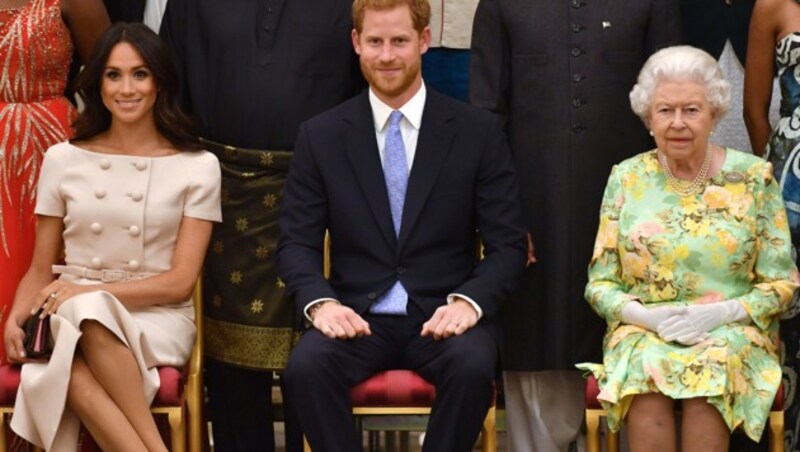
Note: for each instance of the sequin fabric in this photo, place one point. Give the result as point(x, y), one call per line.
point(35, 55)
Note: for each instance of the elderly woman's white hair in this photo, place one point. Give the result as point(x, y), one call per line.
point(681, 63)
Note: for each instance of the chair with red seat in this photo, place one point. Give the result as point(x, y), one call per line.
point(404, 392)
point(179, 396)
point(594, 411)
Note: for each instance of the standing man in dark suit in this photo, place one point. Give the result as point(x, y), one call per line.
point(252, 71)
point(402, 177)
point(561, 71)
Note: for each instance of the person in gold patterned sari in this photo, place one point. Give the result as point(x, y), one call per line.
point(691, 268)
point(38, 39)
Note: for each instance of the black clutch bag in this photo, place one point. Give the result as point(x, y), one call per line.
point(38, 343)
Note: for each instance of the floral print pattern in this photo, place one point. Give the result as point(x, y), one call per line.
point(728, 242)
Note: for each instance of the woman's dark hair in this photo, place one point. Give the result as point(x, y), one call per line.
point(170, 119)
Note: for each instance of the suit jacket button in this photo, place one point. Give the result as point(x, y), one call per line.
point(401, 270)
point(372, 295)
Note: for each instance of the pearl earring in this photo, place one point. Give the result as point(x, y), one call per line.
point(652, 134)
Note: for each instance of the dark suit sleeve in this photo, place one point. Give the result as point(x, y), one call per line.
point(303, 221)
point(500, 225)
point(489, 59)
point(664, 29)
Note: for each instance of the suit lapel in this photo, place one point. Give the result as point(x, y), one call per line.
point(434, 142)
point(362, 150)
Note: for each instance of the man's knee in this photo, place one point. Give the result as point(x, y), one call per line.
point(472, 364)
point(307, 363)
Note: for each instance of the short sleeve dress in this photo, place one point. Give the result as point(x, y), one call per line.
point(728, 242)
point(121, 219)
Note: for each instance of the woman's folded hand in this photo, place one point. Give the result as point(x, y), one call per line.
point(693, 326)
point(634, 313)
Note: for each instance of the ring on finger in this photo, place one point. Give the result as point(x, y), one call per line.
point(53, 295)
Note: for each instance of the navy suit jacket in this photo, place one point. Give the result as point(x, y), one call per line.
point(461, 181)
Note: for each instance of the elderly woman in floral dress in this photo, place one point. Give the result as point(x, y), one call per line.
point(691, 268)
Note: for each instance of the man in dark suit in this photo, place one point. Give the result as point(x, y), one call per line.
point(406, 287)
point(251, 72)
point(560, 72)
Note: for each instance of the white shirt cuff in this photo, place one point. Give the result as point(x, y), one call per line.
point(313, 302)
point(452, 297)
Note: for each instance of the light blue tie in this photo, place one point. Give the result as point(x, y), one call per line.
point(395, 171)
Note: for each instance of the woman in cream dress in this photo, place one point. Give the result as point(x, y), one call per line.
point(132, 208)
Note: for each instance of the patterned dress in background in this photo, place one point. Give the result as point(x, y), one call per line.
point(35, 54)
point(728, 242)
point(782, 151)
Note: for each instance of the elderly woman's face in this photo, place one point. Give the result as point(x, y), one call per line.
point(681, 119)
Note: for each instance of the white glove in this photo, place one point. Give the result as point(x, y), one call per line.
point(634, 313)
point(692, 327)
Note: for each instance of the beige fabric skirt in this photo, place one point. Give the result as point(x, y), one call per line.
point(156, 335)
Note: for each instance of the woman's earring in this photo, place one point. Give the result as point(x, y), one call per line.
point(651, 133)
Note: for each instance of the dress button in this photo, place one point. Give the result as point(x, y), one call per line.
point(577, 78)
point(105, 164)
point(575, 51)
point(96, 262)
point(140, 165)
point(136, 196)
point(267, 28)
point(100, 193)
point(134, 231)
point(578, 128)
point(372, 295)
point(96, 228)
point(133, 264)
point(576, 28)
point(577, 102)
point(576, 3)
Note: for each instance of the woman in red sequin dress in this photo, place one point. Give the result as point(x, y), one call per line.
point(37, 39)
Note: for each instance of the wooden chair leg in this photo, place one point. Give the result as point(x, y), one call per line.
point(612, 440)
point(373, 441)
point(177, 430)
point(404, 441)
point(776, 431)
point(194, 409)
point(593, 430)
point(489, 431)
point(3, 439)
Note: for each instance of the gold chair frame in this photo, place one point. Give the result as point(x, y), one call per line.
point(191, 402)
point(776, 432)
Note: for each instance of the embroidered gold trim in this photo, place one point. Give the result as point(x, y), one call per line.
point(256, 347)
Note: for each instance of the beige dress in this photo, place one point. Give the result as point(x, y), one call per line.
point(121, 218)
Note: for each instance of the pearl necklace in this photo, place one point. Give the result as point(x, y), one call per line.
point(682, 187)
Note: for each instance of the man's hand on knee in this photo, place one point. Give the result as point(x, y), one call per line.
point(451, 320)
point(340, 322)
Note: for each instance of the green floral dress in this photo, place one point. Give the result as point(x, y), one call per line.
point(729, 242)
